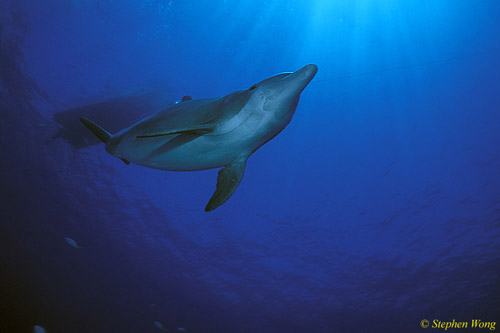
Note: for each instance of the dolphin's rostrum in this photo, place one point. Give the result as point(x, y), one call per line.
point(212, 132)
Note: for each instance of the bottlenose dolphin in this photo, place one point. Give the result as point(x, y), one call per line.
point(212, 132)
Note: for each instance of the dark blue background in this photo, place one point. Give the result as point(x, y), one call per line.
point(377, 207)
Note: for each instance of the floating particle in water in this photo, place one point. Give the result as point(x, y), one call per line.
point(159, 326)
point(38, 329)
point(71, 242)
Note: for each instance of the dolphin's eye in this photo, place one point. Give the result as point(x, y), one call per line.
point(253, 87)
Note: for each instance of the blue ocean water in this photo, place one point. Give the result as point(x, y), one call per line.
point(376, 208)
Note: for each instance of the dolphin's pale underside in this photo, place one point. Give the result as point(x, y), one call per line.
point(211, 133)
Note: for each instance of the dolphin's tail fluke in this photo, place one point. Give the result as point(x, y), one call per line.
point(98, 131)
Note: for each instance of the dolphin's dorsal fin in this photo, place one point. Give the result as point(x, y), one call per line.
point(195, 130)
point(227, 181)
point(186, 98)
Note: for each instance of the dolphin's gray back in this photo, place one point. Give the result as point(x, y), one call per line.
point(190, 113)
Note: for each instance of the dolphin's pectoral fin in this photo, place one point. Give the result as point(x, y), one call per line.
point(195, 130)
point(172, 144)
point(228, 180)
point(127, 162)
